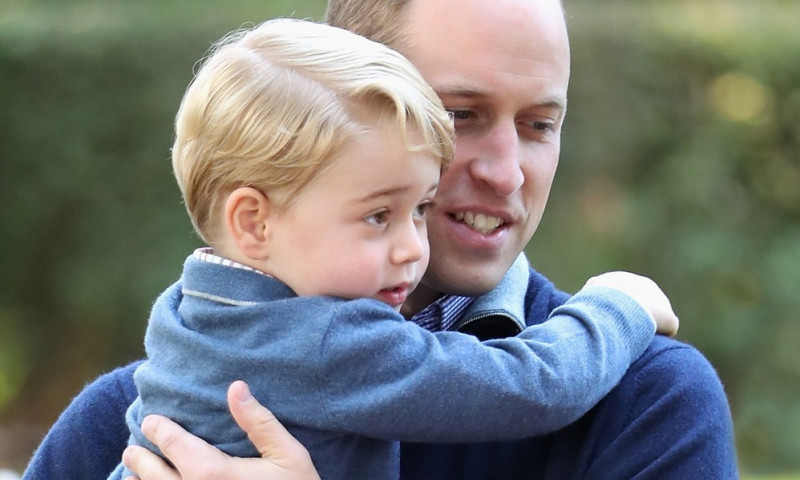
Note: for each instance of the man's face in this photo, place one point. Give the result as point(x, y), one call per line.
point(502, 68)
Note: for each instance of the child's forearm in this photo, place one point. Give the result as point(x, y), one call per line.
point(417, 386)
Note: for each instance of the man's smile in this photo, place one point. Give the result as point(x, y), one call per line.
point(479, 222)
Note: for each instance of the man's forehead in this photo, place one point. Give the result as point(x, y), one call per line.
point(463, 47)
point(476, 18)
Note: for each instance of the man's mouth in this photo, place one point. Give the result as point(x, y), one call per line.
point(479, 222)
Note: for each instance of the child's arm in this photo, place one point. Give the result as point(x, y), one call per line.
point(395, 380)
point(358, 367)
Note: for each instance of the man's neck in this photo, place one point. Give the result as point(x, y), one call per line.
point(420, 298)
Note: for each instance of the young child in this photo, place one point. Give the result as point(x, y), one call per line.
point(307, 157)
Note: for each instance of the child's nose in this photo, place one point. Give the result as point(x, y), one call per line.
point(409, 245)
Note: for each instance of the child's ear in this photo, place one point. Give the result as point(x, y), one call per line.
point(246, 215)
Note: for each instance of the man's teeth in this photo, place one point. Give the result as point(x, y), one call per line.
point(482, 223)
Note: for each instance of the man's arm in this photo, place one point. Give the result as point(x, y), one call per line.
point(88, 438)
point(283, 457)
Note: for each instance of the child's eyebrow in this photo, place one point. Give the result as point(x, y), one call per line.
point(387, 192)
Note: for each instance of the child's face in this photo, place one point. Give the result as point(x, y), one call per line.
point(358, 229)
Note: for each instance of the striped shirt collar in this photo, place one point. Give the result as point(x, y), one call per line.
point(438, 316)
point(442, 314)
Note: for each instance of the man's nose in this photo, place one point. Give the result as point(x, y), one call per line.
point(497, 163)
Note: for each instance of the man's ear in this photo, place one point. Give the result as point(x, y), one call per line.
point(246, 215)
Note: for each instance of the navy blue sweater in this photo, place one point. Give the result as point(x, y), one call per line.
point(667, 419)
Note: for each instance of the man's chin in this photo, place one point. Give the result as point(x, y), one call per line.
point(466, 278)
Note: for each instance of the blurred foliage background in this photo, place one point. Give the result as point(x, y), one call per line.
point(680, 160)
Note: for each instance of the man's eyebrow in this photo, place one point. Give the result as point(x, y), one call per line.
point(459, 91)
point(467, 92)
point(554, 104)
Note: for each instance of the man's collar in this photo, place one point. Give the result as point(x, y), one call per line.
point(508, 297)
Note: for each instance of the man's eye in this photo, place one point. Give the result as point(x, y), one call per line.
point(539, 130)
point(460, 114)
point(378, 218)
point(422, 209)
point(543, 126)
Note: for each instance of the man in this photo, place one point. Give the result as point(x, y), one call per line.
point(502, 68)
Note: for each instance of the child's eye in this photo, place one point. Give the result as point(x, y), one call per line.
point(378, 218)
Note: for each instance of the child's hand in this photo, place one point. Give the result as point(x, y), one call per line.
point(646, 293)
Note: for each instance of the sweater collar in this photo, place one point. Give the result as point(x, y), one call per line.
point(236, 284)
point(507, 298)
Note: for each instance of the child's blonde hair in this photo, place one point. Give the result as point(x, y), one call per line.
point(270, 105)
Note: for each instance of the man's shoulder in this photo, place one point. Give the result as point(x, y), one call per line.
point(88, 438)
point(673, 359)
point(103, 402)
point(116, 385)
point(669, 409)
point(677, 373)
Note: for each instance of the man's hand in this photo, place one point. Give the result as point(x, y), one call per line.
point(647, 293)
point(282, 456)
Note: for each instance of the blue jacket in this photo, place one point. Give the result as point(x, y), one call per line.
point(667, 418)
point(348, 377)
